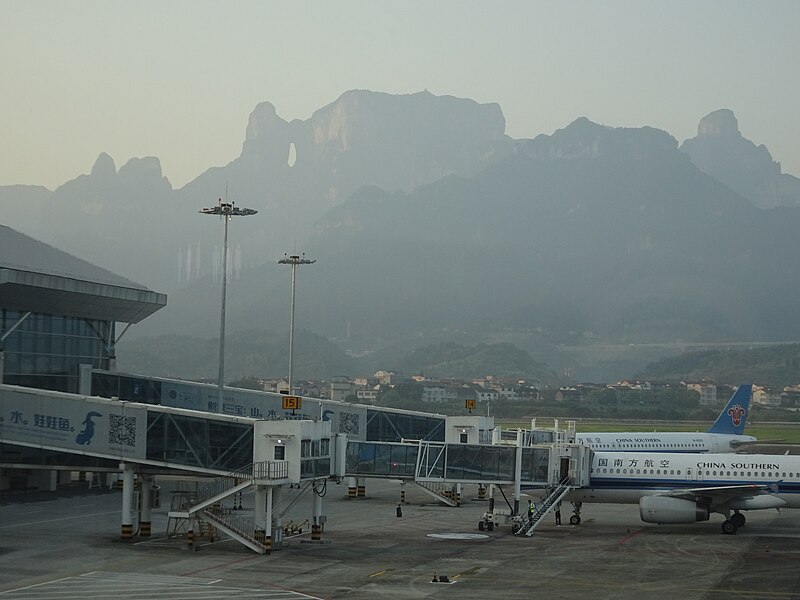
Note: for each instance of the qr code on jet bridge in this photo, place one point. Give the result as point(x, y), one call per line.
point(122, 430)
point(348, 423)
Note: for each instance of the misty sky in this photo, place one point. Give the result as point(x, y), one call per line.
point(178, 79)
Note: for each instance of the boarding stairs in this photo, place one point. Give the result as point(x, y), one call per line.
point(205, 504)
point(556, 496)
point(243, 530)
point(443, 492)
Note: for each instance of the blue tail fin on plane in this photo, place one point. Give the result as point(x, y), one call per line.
point(733, 417)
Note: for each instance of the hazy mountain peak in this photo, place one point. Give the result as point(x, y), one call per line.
point(262, 121)
point(720, 123)
point(104, 167)
point(146, 167)
point(586, 139)
point(720, 150)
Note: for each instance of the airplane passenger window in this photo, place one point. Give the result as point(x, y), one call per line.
point(679, 471)
point(748, 473)
point(729, 473)
point(637, 471)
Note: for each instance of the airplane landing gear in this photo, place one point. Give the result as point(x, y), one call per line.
point(575, 519)
point(738, 520)
point(728, 527)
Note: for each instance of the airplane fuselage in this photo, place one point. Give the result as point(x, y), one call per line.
point(625, 477)
point(672, 442)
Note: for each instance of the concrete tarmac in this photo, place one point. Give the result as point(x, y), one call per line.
point(68, 546)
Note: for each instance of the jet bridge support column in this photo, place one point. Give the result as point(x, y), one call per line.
point(277, 527)
point(518, 473)
point(260, 511)
point(145, 524)
point(318, 490)
point(127, 500)
point(362, 487)
point(268, 519)
point(351, 487)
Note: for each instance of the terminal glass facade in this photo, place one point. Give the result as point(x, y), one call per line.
point(44, 351)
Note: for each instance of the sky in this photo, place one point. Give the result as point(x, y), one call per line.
point(178, 79)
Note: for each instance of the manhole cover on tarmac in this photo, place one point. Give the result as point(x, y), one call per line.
point(458, 536)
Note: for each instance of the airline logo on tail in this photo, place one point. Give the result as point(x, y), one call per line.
point(731, 420)
point(736, 413)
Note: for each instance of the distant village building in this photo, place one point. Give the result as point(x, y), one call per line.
point(341, 387)
point(707, 392)
point(767, 397)
point(367, 395)
point(386, 377)
point(278, 386)
point(439, 393)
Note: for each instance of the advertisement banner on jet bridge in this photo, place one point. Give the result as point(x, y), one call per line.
point(102, 427)
point(347, 419)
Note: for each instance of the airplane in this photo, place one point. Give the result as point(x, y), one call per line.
point(725, 435)
point(686, 488)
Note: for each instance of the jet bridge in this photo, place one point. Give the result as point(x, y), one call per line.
point(40, 428)
point(142, 440)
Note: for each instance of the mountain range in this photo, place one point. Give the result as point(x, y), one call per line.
point(430, 225)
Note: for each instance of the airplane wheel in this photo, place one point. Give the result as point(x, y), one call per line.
point(738, 520)
point(728, 528)
point(575, 520)
point(480, 525)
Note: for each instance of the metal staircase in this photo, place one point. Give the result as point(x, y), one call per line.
point(561, 490)
point(240, 528)
point(443, 492)
point(204, 504)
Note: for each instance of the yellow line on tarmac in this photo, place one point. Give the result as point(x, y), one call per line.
point(384, 572)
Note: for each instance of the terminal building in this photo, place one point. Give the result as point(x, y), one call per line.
point(58, 312)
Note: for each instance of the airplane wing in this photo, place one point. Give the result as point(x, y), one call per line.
point(766, 447)
point(719, 493)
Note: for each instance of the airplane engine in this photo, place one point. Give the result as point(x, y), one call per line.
point(663, 509)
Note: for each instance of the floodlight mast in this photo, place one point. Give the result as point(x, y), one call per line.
point(226, 210)
point(293, 260)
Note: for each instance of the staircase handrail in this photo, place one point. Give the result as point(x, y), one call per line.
point(556, 495)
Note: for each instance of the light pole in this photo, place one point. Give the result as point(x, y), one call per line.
point(293, 260)
point(226, 210)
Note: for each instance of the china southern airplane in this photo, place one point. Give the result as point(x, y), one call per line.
point(725, 435)
point(685, 488)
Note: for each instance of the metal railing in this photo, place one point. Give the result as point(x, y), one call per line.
point(271, 469)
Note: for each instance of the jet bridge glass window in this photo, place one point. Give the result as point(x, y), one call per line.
point(198, 441)
point(535, 463)
point(124, 387)
point(386, 426)
point(380, 459)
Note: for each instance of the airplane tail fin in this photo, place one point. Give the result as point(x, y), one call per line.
point(733, 417)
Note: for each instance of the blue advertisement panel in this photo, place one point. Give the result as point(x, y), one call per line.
point(76, 424)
